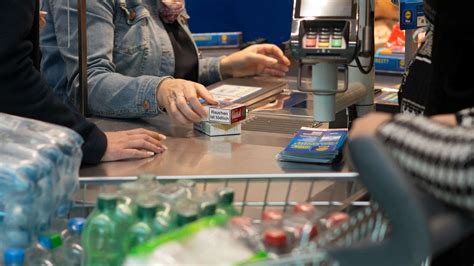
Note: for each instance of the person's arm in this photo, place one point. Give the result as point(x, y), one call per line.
point(110, 94)
point(438, 155)
point(24, 93)
point(22, 90)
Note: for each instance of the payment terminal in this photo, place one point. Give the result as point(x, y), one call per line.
point(329, 35)
point(324, 30)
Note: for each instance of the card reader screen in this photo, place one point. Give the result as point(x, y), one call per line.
point(325, 8)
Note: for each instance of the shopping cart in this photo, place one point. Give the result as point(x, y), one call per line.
point(402, 226)
point(254, 194)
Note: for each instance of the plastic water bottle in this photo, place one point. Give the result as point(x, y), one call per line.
point(187, 211)
point(226, 200)
point(207, 203)
point(144, 228)
point(42, 252)
point(71, 253)
point(13, 257)
point(101, 239)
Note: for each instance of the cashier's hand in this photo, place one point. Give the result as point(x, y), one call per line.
point(255, 60)
point(181, 99)
point(133, 144)
point(368, 124)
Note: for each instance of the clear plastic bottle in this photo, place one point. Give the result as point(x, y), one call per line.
point(275, 241)
point(13, 257)
point(272, 218)
point(144, 228)
point(189, 186)
point(102, 235)
point(171, 193)
point(71, 253)
point(42, 253)
point(305, 208)
point(225, 202)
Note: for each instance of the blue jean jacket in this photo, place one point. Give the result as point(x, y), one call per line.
point(129, 55)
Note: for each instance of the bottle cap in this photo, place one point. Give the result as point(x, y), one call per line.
point(50, 240)
point(13, 256)
point(304, 208)
point(207, 208)
point(336, 219)
point(275, 237)
point(76, 225)
point(225, 195)
point(272, 215)
point(106, 202)
point(241, 221)
point(147, 210)
point(185, 218)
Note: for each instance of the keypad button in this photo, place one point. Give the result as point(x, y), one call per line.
point(310, 43)
point(337, 43)
point(323, 44)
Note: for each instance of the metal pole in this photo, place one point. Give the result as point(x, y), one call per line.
point(82, 54)
point(324, 79)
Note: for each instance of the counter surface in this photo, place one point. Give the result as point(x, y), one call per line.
point(192, 153)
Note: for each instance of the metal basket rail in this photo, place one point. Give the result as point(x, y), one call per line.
point(253, 193)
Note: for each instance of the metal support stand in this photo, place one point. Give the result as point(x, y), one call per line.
point(82, 54)
point(366, 105)
point(324, 80)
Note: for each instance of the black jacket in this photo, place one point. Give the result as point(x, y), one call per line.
point(452, 57)
point(22, 91)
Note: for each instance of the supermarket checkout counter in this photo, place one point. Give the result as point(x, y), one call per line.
point(192, 153)
point(265, 133)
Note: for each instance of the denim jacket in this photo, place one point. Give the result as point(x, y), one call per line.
point(129, 55)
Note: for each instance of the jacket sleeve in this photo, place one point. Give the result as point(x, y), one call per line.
point(110, 93)
point(23, 92)
point(438, 157)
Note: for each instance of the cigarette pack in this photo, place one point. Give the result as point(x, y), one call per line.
point(226, 114)
point(214, 130)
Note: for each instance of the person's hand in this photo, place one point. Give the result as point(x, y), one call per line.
point(367, 125)
point(255, 60)
point(133, 144)
point(447, 119)
point(181, 100)
point(42, 19)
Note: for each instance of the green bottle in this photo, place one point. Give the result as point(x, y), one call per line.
point(225, 202)
point(144, 228)
point(207, 203)
point(101, 237)
point(187, 211)
point(131, 192)
point(164, 218)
